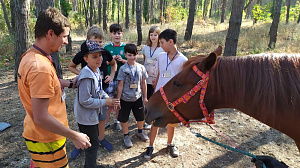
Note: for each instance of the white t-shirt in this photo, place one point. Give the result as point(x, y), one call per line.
point(174, 67)
point(150, 62)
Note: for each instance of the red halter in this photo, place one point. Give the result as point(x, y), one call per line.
point(201, 85)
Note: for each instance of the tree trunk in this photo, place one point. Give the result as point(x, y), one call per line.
point(223, 11)
point(12, 14)
point(151, 10)
point(190, 22)
point(126, 14)
point(298, 18)
point(74, 5)
point(6, 17)
point(104, 15)
point(22, 10)
point(274, 26)
point(99, 11)
point(288, 4)
point(91, 12)
point(211, 7)
point(133, 8)
point(85, 12)
point(146, 11)
point(161, 4)
point(41, 5)
point(118, 11)
point(233, 33)
point(205, 9)
point(139, 21)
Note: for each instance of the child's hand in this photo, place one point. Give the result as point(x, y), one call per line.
point(145, 101)
point(112, 102)
point(108, 79)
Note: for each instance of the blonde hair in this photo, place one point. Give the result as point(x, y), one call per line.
point(153, 29)
point(95, 31)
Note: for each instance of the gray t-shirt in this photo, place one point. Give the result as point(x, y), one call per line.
point(132, 76)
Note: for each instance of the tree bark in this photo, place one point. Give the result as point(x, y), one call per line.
point(104, 15)
point(126, 14)
point(91, 12)
point(161, 4)
point(298, 18)
point(139, 21)
point(85, 12)
point(6, 17)
point(274, 26)
point(211, 7)
point(190, 22)
point(288, 4)
point(41, 5)
point(12, 14)
point(99, 11)
point(223, 11)
point(22, 10)
point(233, 33)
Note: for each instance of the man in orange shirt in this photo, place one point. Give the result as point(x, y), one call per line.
point(41, 92)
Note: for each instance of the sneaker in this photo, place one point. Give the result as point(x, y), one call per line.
point(107, 125)
point(147, 126)
point(148, 153)
point(108, 146)
point(117, 126)
point(143, 136)
point(127, 141)
point(174, 152)
point(75, 153)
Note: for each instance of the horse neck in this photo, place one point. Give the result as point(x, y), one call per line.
point(229, 85)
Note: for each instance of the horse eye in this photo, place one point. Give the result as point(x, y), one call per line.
point(176, 83)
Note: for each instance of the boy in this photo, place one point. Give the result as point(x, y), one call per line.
point(131, 87)
point(116, 48)
point(95, 34)
point(89, 100)
point(168, 63)
point(41, 92)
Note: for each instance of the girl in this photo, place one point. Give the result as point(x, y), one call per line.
point(150, 53)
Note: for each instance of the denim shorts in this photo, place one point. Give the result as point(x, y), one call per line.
point(111, 90)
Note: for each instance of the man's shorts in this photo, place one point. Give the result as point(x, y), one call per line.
point(111, 90)
point(52, 154)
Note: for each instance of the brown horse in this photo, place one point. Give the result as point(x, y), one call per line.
point(266, 87)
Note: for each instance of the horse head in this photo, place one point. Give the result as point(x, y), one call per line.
point(159, 112)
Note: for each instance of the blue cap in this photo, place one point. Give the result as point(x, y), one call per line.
point(93, 47)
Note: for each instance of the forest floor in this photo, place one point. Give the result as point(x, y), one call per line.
point(249, 134)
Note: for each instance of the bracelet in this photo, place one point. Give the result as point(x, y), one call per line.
point(71, 84)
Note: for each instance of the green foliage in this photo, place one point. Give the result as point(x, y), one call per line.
point(6, 50)
point(262, 12)
point(175, 12)
point(66, 6)
point(77, 20)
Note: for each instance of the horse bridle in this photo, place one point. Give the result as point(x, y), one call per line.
point(201, 85)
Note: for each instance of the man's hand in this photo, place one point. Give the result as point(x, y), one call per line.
point(268, 161)
point(81, 141)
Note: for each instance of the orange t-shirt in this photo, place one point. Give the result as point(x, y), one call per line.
point(37, 79)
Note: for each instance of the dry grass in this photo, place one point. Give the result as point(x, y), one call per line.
point(208, 35)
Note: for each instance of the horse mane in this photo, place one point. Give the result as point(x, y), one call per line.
point(260, 80)
point(271, 81)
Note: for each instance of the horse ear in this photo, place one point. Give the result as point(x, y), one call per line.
point(209, 62)
point(218, 51)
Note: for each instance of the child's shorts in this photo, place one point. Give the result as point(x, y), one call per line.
point(111, 90)
point(137, 108)
point(102, 117)
point(52, 154)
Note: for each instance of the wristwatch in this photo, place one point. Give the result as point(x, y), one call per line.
point(71, 84)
